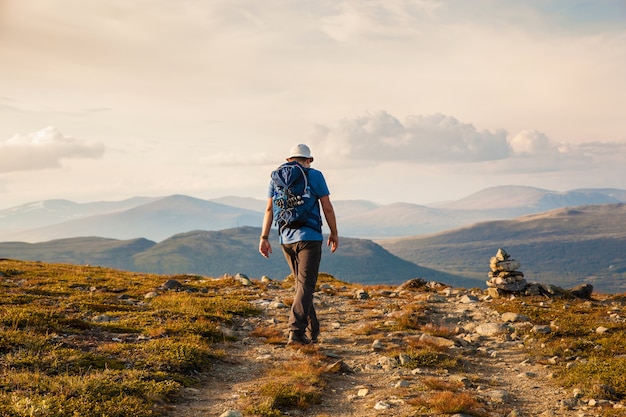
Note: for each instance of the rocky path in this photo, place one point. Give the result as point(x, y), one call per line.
point(358, 340)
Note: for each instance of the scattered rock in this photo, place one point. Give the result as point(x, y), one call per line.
point(278, 304)
point(491, 329)
point(361, 295)
point(582, 291)
point(436, 298)
point(103, 318)
point(381, 405)
point(404, 359)
point(461, 379)
point(498, 395)
point(403, 383)
point(412, 284)
point(243, 279)
point(378, 345)
point(601, 330)
point(172, 285)
point(469, 299)
point(541, 328)
point(514, 317)
point(232, 413)
point(339, 366)
point(388, 363)
point(436, 341)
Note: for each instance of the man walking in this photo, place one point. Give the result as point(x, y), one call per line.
point(302, 247)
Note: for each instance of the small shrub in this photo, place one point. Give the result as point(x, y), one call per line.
point(294, 385)
point(604, 377)
point(450, 402)
point(427, 356)
point(437, 330)
point(272, 335)
point(409, 319)
point(439, 384)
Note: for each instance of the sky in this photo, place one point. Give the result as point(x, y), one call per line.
point(415, 101)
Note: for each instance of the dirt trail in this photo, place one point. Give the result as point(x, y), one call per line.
point(496, 370)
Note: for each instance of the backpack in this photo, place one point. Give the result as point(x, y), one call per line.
point(292, 200)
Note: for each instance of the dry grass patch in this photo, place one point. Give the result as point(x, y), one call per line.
point(449, 402)
point(367, 329)
point(599, 377)
point(585, 359)
point(294, 385)
point(439, 384)
point(271, 335)
point(410, 316)
point(288, 301)
point(322, 278)
point(438, 330)
point(79, 340)
point(429, 356)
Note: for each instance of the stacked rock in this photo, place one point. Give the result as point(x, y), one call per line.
point(504, 274)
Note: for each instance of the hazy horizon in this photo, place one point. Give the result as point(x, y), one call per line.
point(502, 196)
point(415, 101)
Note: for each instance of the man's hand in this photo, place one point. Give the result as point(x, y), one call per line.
point(265, 248)
point(333, 242)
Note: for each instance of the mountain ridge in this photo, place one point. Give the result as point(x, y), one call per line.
point(225, 252)
point(564, 247)
point(157, 218)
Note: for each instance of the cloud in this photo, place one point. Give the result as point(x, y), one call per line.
point(44, 149)
point(381, 137)
point(532, 142)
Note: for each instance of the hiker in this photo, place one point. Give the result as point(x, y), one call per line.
point(301, 242)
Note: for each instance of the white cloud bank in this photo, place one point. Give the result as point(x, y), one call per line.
point(379, 138)
point(43, 150)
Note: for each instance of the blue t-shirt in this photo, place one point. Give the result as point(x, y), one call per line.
point(319, 189)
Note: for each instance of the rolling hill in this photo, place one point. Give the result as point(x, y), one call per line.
point(565, 247)
point(230, 251)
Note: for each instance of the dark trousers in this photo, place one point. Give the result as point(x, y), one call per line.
point(304, 260)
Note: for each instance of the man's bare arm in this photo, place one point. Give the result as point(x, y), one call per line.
point(331, 221)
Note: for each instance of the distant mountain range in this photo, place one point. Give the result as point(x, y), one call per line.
point(565, 246)
point(230, 251)
point(158, 218)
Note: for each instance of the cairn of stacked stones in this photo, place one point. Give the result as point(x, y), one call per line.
point(504, 275)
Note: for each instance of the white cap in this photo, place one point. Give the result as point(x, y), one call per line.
point(300, 151)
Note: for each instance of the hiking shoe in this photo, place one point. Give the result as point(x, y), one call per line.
point(313, 337)
point(298, 338)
